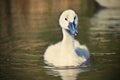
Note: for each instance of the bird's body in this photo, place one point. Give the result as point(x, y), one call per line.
point(67, 52)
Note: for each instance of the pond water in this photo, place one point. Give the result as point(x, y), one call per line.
point(24, 37)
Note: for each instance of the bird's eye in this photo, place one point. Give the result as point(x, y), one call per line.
point(66, 19)
point(74, 17)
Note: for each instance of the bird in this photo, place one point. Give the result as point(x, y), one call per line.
point(68, 52)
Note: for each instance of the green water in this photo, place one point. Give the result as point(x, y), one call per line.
point(27, 30)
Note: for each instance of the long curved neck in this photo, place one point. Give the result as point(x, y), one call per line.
point(68, 40)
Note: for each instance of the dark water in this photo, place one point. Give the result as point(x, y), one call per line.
point(28, 27)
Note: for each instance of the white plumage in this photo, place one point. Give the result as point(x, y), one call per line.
point(67, 52)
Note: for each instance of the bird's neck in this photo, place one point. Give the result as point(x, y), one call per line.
point(68, 40)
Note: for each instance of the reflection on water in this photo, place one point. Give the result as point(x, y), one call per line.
point(105, 39)
point(27, 27)
point(106, 29)
point(67, 74)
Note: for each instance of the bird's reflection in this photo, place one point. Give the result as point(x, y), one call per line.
point(67, 73)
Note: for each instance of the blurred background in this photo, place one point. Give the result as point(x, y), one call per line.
point(27, 27)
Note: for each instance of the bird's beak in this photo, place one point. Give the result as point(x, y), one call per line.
point(72, 28)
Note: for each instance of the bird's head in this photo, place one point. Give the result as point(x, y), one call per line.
point(68, 21)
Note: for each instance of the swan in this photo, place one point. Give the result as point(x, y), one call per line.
point(67, 52)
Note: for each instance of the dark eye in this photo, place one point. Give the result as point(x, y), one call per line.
point(66, 19)
point(74, 17)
